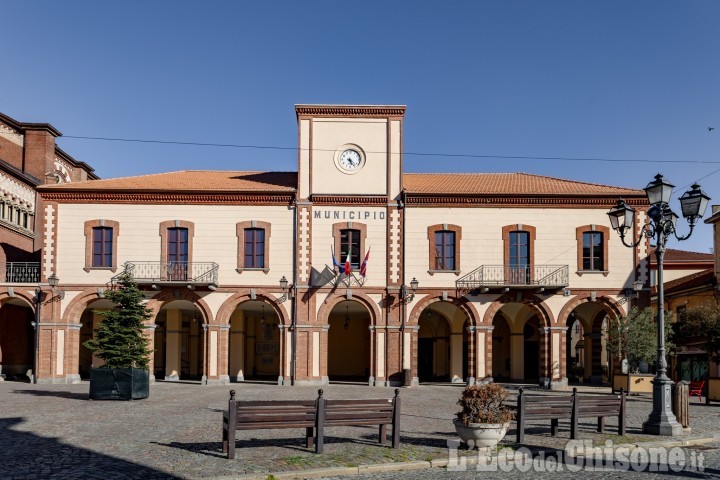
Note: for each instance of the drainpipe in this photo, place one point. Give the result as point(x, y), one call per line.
point(293, 319)
point(403, 200)
point(36, 360)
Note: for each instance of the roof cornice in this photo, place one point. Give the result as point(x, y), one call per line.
point(30, 126)
point(168, 198)
point(350, 110)
point(532, 201)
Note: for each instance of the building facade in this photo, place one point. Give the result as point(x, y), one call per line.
point(451, 277)
point(29, 158)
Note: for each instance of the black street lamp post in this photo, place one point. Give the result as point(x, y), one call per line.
point(662, 224)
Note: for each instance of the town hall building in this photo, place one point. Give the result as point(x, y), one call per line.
point(348, 269)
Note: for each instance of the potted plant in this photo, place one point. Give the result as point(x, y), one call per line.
point(633, 339)
point(484, 418)
point(120, 342)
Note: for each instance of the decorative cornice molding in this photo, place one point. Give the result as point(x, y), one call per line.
point(356, 200)
point(351, 110)
point(168, 198)
point(518, 201)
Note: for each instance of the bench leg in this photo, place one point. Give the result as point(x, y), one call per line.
point(520, 437)
point(382, 434)
point(554, 426)
point(601, 425)
point(224, 440)
point(231, 446)
point(309, 437)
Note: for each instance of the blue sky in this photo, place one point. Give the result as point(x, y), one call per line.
point(620, 80)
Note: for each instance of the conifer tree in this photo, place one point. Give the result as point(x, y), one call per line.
point(119, 339)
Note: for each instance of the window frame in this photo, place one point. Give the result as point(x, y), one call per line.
point(164, 237)
point(240, 228)
point(444, 227)
point(532, 232)
point(337, 229)
point(579, 234)
point(89, 227)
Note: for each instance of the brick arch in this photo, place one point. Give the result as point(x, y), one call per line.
point(79, 304)
point(327, 306)
point(542, 311)
point(156, 303)
point(228, 307)
point(26, 296)
point(609, 305)
point(461, 302)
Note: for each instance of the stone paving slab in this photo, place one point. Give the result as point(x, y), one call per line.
point(55, 431)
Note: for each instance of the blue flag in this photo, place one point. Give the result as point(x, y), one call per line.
point(334, 260)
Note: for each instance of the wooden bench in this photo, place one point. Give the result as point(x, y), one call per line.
point(312, 415)
point(600, 406)
point(696, 388)
point(574, 407)
point(356, 413)
point(541, 407)
point(267, 414)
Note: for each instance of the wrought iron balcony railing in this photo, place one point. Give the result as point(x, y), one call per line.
point(507, 276)
point(164, 273)
point(20, 272)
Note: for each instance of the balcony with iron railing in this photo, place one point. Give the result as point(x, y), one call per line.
point(488, 278)
point(20, 272)
point(161, 274)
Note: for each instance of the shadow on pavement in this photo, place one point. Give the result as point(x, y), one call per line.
point(26, 455)
point(58, 393)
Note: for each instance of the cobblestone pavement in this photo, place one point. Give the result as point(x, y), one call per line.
point(54, 431)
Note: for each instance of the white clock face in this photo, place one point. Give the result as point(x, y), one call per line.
point(350, 159)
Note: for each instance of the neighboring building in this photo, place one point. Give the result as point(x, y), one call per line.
point(697, 286)
point(470, 276)
point(678, 264)
point(29, 158)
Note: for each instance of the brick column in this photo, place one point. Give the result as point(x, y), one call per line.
point(471, 360)
point(149, 333)
point(483, 342)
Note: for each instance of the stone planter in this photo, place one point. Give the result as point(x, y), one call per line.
point(481, 435)
point(119, 384)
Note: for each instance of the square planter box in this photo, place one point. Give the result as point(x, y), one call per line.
point(119, 384)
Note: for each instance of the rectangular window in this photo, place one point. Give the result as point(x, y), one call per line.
point(592, 251)
point(177, 252)
point(680, 312)
point(254, 248)
point(519, 267)
point(444, 250)
point(102, 247)
point(350, 242)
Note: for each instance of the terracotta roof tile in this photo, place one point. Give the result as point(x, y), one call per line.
point(505, 184)
point(672, 255)
point(697, 279)
point(418, 183)
point(190, 180)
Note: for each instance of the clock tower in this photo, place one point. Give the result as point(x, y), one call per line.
point(350, 150)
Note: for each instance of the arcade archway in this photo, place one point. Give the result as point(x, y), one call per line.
point(255, 337)
point(17, 340)
point(349, 342)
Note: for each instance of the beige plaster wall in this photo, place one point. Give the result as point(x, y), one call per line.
point(329, 135)
point(482, 242)
point(215, 238)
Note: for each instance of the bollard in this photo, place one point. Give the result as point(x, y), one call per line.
point(681, 403)
point(407, 378)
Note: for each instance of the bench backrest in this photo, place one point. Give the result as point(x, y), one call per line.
point(543, 407)
point(257, 414)
point(599, 405)
point(371, 412)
